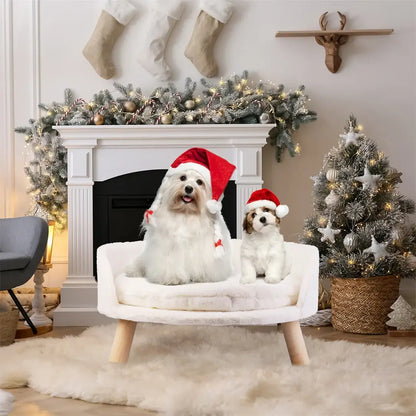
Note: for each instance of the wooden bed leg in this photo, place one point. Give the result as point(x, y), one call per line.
point(295, 343)
point(122, 341)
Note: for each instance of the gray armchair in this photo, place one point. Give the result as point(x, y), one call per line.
point(22, 245)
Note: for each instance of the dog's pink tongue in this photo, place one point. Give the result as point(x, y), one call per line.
point(187, 198)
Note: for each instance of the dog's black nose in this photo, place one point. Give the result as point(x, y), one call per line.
point(188, 189)
point(263, 220)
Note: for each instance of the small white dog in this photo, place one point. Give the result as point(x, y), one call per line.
point(262, 249)
point(186, 238)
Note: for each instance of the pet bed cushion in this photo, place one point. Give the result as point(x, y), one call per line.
point(225, 296)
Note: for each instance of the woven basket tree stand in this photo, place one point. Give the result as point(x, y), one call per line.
point(360, 305)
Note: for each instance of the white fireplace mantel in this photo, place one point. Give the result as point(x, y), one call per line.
point(98, 153)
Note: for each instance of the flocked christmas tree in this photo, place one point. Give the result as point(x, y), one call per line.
point(403, 316)
point(233, 100)
point(360, 224)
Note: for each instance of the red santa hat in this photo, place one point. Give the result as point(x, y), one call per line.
point(216, 172)
point(265, 198)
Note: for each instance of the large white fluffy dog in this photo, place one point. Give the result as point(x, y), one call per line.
point(262, 248)
point(183, 237)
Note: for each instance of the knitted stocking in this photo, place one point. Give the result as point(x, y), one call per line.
point(214, 14)
point(115, 16)
point(163, 17)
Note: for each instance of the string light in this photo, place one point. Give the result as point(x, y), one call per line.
point(322, 221)
point(297, 148)
point(351, 262)
point(388, 206)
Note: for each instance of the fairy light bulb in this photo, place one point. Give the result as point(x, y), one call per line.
point(322, 221)
point(351, 262)
point(360, 127)
point(222, 82)
point(283, 95)
point(388, 206)
point(297, 148)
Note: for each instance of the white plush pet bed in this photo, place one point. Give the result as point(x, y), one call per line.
point(132, 300)
point(218, 303)
point(225, 296)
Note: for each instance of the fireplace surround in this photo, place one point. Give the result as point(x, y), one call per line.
point(99, 153)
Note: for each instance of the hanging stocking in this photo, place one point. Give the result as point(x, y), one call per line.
point(114, 17)
point(163, 17)
point(214, 14)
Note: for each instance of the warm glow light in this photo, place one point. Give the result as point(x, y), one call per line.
point(322, 221)
point(351, 262)
point(297, 148)
point(388, 206)
point(360, 127)
point(47, 257)
point(372, 162)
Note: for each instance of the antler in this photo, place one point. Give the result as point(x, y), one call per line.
point(342, 21)
point(322, 21)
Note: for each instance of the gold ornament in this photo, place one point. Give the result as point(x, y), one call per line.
point(166, 118)
point(130, 106)
point(98, 119)
point(189, 104)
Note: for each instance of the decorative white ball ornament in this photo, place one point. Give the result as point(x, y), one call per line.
point(332, 175)
point(350, 241)
point(166, 118)
point(264, 118)
point(189, 104)
point(331, 199)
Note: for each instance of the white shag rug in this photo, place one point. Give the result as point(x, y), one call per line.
point(217, 371)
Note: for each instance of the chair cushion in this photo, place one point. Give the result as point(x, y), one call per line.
point(13, 261)
point(225, 296)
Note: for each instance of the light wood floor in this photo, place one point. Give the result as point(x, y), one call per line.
point(30, 403)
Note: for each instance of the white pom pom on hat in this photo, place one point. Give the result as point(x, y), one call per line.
point(266, 198)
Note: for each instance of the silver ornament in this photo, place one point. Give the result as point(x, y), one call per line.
point(332, 175)
point(350, 241)
point(190, 104)
point(264, 118)
point(331, 199)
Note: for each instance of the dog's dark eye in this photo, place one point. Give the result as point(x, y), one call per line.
point(266, 210)
point(253, 215)
point(199, 182)
point(183, 178)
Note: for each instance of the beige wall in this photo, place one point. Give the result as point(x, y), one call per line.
point(43, 40)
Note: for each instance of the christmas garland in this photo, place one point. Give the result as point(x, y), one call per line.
point(235, 100)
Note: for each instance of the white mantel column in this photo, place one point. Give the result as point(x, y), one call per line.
point(79, 291)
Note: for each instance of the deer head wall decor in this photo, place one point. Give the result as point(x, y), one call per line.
point(332, 42)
